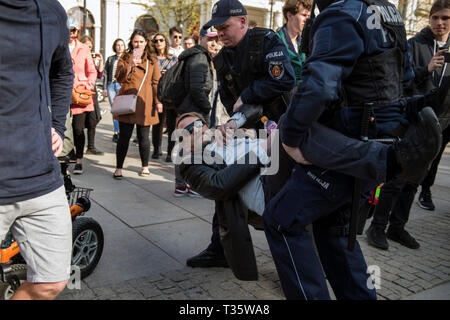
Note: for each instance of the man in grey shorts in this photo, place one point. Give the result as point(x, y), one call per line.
point(35, 90)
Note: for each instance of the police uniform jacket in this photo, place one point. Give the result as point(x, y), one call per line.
point(342, 35)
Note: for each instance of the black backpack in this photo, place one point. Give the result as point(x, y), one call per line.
point(171, 89)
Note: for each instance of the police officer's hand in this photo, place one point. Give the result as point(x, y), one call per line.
point(237, 104)
point(296, 154)
point(437, 61)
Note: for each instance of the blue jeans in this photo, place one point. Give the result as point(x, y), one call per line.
point(113, 89)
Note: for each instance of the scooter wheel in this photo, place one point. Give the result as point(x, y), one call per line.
point(14, 280)
point(87, 244)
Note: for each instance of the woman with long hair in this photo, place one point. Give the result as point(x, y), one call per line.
point(85, 76)
point(166, 61)
point(138, 64)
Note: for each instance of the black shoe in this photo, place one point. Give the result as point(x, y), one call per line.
point(207, 259)
point(417, 149)
point(94, 151)
point(78, 169)
point(156, 154)
point(115, 138)
point(72, 157)
point(377, 238)
point(403, 237)
point(136, 141)
point(425, 201)
point(168, 158)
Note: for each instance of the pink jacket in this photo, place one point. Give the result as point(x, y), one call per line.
point(84, 71)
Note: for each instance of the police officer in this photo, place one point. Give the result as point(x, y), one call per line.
point(253, 69)
point(357, 58)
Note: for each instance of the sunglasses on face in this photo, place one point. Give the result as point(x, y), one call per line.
point(195, 124)
point(158, 40)
point(178, 37)
point(73, 29)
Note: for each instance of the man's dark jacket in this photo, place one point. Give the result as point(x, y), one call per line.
point(221, 183)
point(28, 168)
point(198, 76)
point(422, 46)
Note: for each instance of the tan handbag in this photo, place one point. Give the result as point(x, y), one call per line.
point(82, 97)
point(126, 104)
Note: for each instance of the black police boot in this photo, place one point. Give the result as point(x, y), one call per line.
point(377, 238)
point(403, 237)
point(207, 259)
point(425, 200)
point(415, 152)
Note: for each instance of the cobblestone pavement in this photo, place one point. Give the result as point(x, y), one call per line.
point(403, 272)
point(145, 249)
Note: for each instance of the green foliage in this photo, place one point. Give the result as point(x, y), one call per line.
point(168, 13)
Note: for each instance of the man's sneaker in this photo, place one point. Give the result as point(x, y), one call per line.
point(377, 238)
point(78, 169)
point(193, 194)
point(418, 148)
point(403, 237)
point(180, 191)
point(425, 201)
point(94, 151)
point(207, 259)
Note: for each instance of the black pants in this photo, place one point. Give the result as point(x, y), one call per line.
point(394, 205)
point(431, 176)
point(168, 116)
point(396, 199)
point(126, 130)
point(79, 122)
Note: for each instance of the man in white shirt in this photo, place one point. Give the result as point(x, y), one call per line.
point(176, 36)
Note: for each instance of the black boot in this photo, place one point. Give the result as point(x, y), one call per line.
point(425, 200)
point(377, 238)
point(415, 152)
point(403, 237)
point(207, 259)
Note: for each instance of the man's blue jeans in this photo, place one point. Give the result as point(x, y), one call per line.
point(113, 89)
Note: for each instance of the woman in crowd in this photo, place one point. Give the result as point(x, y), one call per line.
point(85, 74)
point(137, 60)
point(166, 61)
point(93, 118)
point(110, 82)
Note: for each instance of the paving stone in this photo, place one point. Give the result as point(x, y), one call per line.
point(165, 284)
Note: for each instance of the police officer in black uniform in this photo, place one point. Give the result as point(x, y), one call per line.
point(358, 61)
point(255, 77)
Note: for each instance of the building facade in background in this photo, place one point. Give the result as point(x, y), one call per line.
point(107, 20)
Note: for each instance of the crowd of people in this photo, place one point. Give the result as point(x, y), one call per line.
point(356, 107)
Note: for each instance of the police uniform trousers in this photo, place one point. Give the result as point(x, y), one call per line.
point(316, 196)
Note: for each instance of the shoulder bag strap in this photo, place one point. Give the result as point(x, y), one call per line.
point(143, 80)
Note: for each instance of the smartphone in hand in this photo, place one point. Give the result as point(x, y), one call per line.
point(446, 57)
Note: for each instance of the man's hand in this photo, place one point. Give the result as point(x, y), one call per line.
point(57, 143)
point(159, 107)
point(437, 61)
point(296, 154)
point(237, 104)
point(230, 125)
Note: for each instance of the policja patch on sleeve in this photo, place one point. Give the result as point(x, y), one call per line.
point(276, 69)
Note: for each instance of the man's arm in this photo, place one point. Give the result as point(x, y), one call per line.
point(337, 44)
point(61, 84)
point(219, 184)
point(198, 71)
